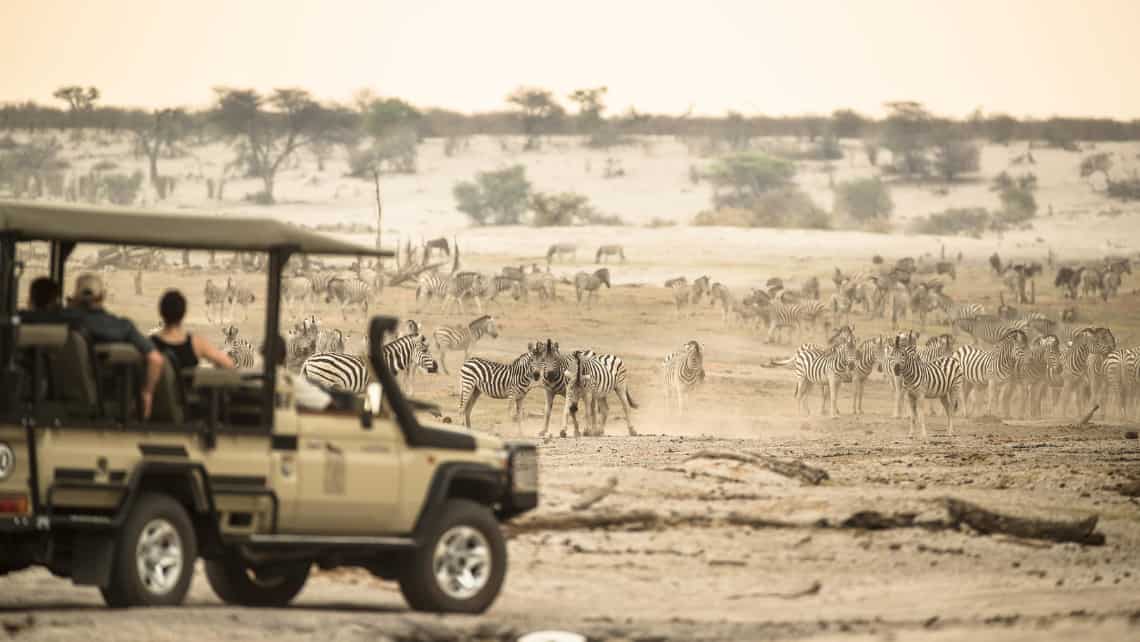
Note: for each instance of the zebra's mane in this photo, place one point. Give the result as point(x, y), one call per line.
point(482, 319)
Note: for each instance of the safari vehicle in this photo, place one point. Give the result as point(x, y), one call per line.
point(228, 468)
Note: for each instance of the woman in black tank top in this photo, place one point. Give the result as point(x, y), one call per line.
point(183, 349)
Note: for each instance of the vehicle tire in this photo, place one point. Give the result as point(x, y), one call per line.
point(154, 555)
point(235, 582)
point(461, 561)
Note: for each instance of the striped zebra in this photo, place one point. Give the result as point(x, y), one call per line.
point(330, 340)
point(462, 285)
point(829, 366)
point(337, 371)
point(215, 298)
point(992, 368)
point(606, 251)
point(935, 348)
point(683, 370)
point(496, 285)
point(1083, 366)
point(729, 306)
point(320, 285)
point(552, 365)
point(791, 317)
point(868, 356)
point(591, 378)
point(407, 354)
point(562, 250)
point(296, 291)
point(239, 296)
point(242, 352)
point(430, 286)
point(955, 312)
point(941, 379)
point(988, 328)
point(498, 381)
point(1119, 387)
point(302, 340)
point(685, 293)
point(1035, 372)
point(460, 337)
point(587, 283)
point(347, 293)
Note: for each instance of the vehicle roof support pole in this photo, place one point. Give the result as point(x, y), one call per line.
point(60, 251)
point(277, 259)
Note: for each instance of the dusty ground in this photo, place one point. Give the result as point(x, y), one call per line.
point(693, 581)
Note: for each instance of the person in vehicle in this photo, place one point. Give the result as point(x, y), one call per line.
point(306, 394)
point(186, 350)
point(104, 327)
point(44, 305)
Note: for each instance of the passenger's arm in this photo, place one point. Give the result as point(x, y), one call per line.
point(154, 363)
point(206, 350)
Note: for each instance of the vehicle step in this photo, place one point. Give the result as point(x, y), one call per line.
point(337, 541)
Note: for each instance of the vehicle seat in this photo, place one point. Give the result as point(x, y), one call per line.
point(169, 400)
point(70, 375)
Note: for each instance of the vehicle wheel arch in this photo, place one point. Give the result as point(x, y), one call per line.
point(477, 482)
point(188, 484)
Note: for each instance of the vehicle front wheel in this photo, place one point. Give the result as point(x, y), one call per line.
point(460, 564)
point(235, 582)
point(154, 555)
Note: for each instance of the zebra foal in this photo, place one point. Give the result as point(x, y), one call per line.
point(459, 337)
point(683, 370)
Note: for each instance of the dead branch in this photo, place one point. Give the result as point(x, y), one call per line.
point(1085, 420)
point(583, 521)
point(793, 469)
point(989, 522)
point(595, 495)
point(810, 590)
point(411, 273)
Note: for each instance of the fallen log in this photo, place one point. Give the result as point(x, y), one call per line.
point(813, 589)
point(792, 469)
point(1088, 417)
point(582, 521)
point(989, 522)
point(595, 495)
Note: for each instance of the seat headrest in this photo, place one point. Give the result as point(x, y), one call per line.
point(117, 353)
point(46, 335)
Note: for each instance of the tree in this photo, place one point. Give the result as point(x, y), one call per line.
point(566, 208)
point(590, 108)
point(953, 157)
point(78, 99)
point(847, 123)
point(494, 198)
point(871, 149)
point(538, 111)
point(864, 200)
point(736, 131)
point(1001, 128)
point(392, 127)
point(739, 180)
point(270, 129)
point(906, 132)
point(1099, 163)
point(162, 131)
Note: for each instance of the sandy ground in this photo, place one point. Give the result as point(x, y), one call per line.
point(692, 581)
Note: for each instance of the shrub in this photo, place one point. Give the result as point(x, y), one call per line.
point(259, 198)
point(494, 198)
point(1127, 189)
point(954, 157)
point(864, 200)
point(970, 221)
point(104, 166)
point(785, 208)
point(122, 189)
point(740, 179)
point(1018, 204)
point(561, 209)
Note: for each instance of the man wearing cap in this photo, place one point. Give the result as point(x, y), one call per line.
point(108, 328)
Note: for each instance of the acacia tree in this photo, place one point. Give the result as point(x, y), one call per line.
point(538, 111)
point(78, 99)
point(161, 131)
point(391, 125)
point(269, 129)
point(590, 108)
point(906, 132)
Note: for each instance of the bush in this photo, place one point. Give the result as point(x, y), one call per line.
point(494, 198)
point(104, 166)
point(259, 198)
point(658, 222)
point(559, 209)
point(1127, 189)
point(864, 200)
point(954, 157)
point(785, 208)
point(970, 221)
point(740, 179)
point(122, 189)
point(1018, 205)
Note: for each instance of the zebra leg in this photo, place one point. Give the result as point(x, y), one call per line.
point(913, 400)
point(549, 405)
point(466, 404)
point(949, 414)
point(623, 395)
point(443, 357)
point(833, 388)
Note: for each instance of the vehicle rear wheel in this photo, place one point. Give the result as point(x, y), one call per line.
point(154, 556)
point(460, 564)
point(236, 582)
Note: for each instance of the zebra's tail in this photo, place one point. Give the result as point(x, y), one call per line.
point(629, 398)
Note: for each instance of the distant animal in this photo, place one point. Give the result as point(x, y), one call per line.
point(607, 251)
point(239, 296)
point(561, 250)
point(683, 370)
point(458, 337)
point(940, 379)
point(588, 284)
point(435, 244)
point(1068, 279)
point(347, 293)
point(215, 300)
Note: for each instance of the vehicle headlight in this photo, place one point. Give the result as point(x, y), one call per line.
point(524, 470)
point(7, 460)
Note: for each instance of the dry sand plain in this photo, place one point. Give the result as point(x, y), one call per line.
point(692, 576)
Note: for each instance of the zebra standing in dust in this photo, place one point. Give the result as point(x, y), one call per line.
point(348, 292)
point(215, 298)
point(561, 250)
point(988, 328)
point(685, 293)
point(498, 381)
point(940, 379)
point(992, 368)
point(1083, 365)
point(955, 312)
point(242, 352)
point(683, 371)
point(430, 286)
point(296, 290)
point(461, 285)
point(460, 337)
point(729, 307)
point(1036, 371)
point(791, 317)
point(1119, 386)
point(608, 251)
point(828, 366)
point(868, 355)
point(590, 284)
point(239, 296)
point(351, 373)
point(592, 377)
point(407, 354)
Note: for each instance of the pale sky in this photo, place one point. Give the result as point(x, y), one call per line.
point(1023, 57)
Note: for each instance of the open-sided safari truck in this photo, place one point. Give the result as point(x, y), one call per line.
point(227, 468)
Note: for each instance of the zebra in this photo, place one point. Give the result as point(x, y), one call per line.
point(791, 317)
point(989, 328)
point(242, 352)
point(542, 283)
point(330, 340)
point(461, 285)
point(957, 311)
point(719, 293)
point(593, 377)
point(348, 292)
point(302, 342)
point(1035, 372)
point(941, 379)
point(215, 298)
point(829, 365)
point(561, 250)
point(498, 381)
point(683, 370)
point(552, 365)
point(992, 368)
point(935, 348)
point(685, 293)
point(297, 289)
point(236, 295)
point(458, 337)
point(407, 354)
point(608, 251)
point(337, 371)
point(589, 284)
point(1083, 364)
point(868, 355)
point(496, 285)
point(430, 286)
